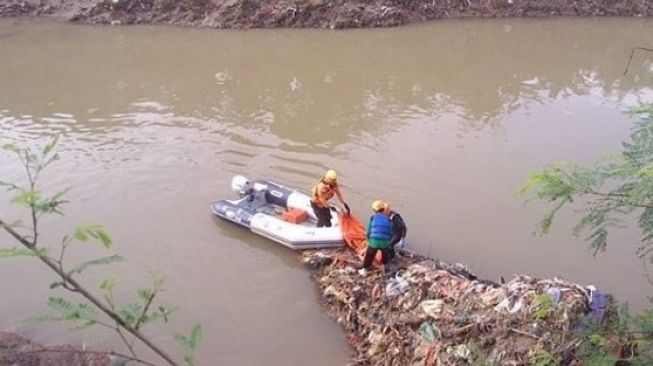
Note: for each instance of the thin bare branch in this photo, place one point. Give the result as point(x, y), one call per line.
point(632, 53)
point(141, 319)
point(16, 235)
point(72, 285)
point(617, 197)
point(32, 185)
point(66, 279)
point(124, 339)
point(95, 301)
point(647, 274)
point(116, 328)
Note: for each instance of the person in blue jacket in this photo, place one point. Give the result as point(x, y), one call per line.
point(399, 230)
point(379, 233)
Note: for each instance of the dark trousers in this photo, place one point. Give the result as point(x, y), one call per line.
point(386, 255)
point(323, 215)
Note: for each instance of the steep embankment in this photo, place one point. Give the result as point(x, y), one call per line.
point(335, 14)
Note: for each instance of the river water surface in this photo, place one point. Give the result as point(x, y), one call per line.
point(443, 120)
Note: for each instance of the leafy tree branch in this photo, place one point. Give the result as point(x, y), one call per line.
point(126, 320)
point(612, 190)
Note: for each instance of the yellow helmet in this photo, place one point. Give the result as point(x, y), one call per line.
point(330, 176)
point(379, 206)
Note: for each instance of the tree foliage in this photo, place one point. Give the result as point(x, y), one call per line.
point(126, 319)
point(190, 343)
point(614, 189)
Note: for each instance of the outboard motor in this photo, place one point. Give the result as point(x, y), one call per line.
point(243, 187)
point(253, 191)
point(240, 185)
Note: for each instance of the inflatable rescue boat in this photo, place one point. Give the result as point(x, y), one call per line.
point(279, 213)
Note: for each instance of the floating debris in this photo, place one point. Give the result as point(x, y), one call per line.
point(421, 311)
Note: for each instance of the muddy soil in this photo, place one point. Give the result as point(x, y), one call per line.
point(334, 14)
point(18, 351)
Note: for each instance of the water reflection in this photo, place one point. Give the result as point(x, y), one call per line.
point(286, 89)
point(156, 120)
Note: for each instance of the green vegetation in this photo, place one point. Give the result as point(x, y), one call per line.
point(615, 189)
point(544, 306)
point(126, 320)
point(543, 358)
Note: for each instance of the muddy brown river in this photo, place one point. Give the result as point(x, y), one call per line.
point(443, 120)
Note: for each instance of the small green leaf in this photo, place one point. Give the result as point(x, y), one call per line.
point(86, 324)
point(60, 194)
point(544, 306)
point(68, 311)
point(598, 241)
point(195, 336)
point(597, 339)
point(130, 313)
point(105, 239)
point(26, 198)
point(50, 146)
point(158, 280)
point(50, 205)
point(54, 285)
point(86, 231)
point(59, 303)
point(108, 284)
point(22, 252)
point(11, 148)
point(94, 262)
point(189, 358)
point(164, 312)
point(81, 233)
point(542, 357)
point(145, 294)
point(182, 340)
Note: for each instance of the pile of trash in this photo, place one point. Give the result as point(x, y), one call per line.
point(420, 311)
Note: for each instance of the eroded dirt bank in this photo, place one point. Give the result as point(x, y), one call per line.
point(18, 351)
point(335, 14)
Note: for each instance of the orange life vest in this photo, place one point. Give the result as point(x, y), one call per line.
point(324, 191)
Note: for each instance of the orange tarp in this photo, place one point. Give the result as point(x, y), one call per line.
point(355, 237)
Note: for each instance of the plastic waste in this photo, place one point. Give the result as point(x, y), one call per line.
point(555, 293)
point(429, 332)
point(396, 286)
point(462, 352)
point(432, 307)
point(443, 312)
point(461, 320)
point(510, 304)
point(598, 302)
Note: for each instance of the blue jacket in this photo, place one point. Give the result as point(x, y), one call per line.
point(379, 227)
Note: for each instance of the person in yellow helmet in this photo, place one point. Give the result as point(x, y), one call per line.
point(322, 193)
point(399, 230)
point(379, 232)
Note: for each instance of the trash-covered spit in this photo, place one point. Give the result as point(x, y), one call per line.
point(421, 311)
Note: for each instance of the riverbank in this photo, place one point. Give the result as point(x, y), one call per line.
point(426, 312)
point(18, 351)
point(332, 14)
point(422, 311)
